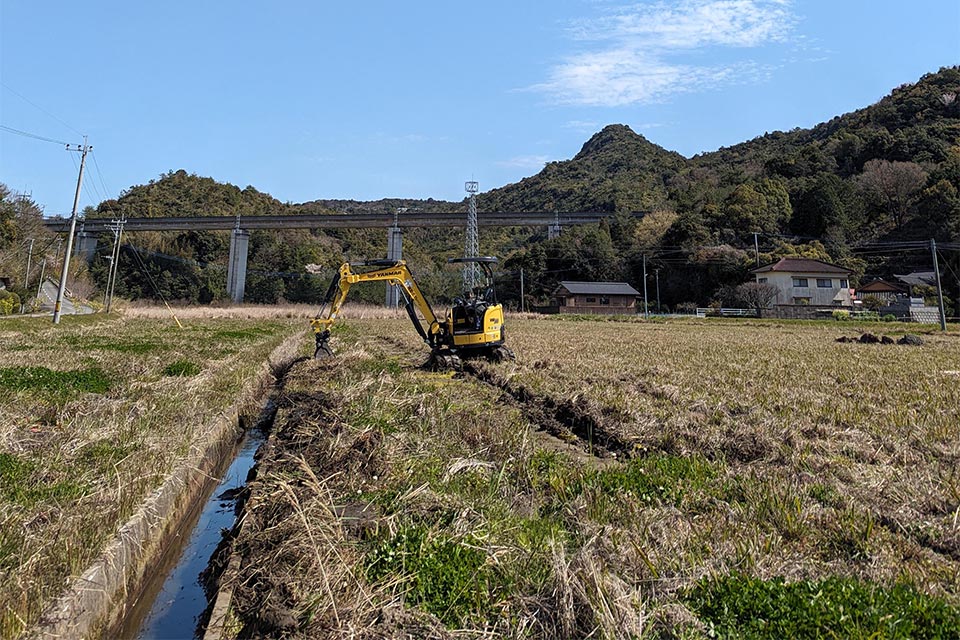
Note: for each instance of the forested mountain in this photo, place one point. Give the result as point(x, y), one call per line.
point(616, 170)
point(890, 171)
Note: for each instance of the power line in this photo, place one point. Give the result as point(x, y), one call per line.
point(27, 134)
point(35, 105)
point(100, 175)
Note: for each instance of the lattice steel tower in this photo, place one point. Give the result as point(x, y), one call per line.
point(471, 249)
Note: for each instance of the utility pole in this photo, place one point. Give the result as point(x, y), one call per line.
point(43, 268)
point(56, 255)
point(646, 306)
point(936, 273)
point(84, 149)
point(756, 247)
point(114, 260)
point(521, 290)
point(656, 272)
point(26, 276)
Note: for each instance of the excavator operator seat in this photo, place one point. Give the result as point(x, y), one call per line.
point(468, 316)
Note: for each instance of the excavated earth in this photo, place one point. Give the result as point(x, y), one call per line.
point(303, 515)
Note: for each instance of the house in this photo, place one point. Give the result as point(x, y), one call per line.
point(882, 290)
point(805, 282)
point(918, 279)
point(594, 297)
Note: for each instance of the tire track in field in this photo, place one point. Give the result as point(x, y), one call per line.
point(562, 418)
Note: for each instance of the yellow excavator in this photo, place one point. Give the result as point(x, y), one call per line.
point(473, 326)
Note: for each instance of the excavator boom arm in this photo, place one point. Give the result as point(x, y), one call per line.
point(396, 274)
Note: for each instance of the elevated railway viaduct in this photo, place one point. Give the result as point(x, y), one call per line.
point(394, 223)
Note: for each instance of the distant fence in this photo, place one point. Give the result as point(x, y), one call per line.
point(703, 312)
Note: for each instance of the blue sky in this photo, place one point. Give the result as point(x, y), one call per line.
point(366, 100)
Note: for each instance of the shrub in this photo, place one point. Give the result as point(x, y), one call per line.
point(889, 317)
point(9, 303)
point(841, 315)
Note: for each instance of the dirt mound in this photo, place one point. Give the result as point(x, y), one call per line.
point(869, 338)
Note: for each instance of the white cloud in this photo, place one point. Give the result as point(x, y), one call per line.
point(589, 126)
point(634, 51)
point(525, 162)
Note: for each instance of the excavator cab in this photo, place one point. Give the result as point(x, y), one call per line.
point(476, 318)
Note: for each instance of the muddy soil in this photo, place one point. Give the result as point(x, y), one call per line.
point(297, 535)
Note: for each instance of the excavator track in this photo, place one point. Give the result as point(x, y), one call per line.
point(500, 353)
point(443, 361)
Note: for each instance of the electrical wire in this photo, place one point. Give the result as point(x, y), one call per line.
point(27, 134)
point(35, 105)
point(146, 272)
point(96, 165)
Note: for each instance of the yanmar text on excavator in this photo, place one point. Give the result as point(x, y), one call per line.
point(473, 326)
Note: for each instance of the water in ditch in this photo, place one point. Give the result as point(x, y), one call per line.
point(172, 604)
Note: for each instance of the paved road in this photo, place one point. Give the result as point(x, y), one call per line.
point(48, 299)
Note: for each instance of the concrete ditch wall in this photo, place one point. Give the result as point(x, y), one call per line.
point(99, 599)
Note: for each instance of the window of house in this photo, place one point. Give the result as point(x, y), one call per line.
point(800, 282)
point(761, 280)
point(591, 300)
point(561, 301)
point(604, 300)
point(824, 283)
point(802, 300)
point(843, 284)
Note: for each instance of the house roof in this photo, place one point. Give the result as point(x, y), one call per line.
point(599, 288)
point(882, 286)
point(802, 265)
point(917, 278)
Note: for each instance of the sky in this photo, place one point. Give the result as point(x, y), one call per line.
point(368, 100)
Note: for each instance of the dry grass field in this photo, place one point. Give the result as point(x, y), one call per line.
point(620, 479)
point(95, 414)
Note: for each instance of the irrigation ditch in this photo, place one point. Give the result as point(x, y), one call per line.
point(117, 592)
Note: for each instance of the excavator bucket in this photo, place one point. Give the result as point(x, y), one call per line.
point(323, 349)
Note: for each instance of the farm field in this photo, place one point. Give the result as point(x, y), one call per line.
point(620, 479)
point(96, 412)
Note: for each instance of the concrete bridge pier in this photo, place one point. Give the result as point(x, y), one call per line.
point(553, 230)
point(85, 246)
point(394, 252)
point(237, 268)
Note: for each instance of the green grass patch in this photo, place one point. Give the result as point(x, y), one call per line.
point(91, 380)
point(378, 366)
point(656, 478)
point(440, 574)
point(826, 495)
point(737, 606)
point(184, 368)
point(19, 484)
point(102, 453)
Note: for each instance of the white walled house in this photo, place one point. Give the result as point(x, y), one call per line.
point(803, 281)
